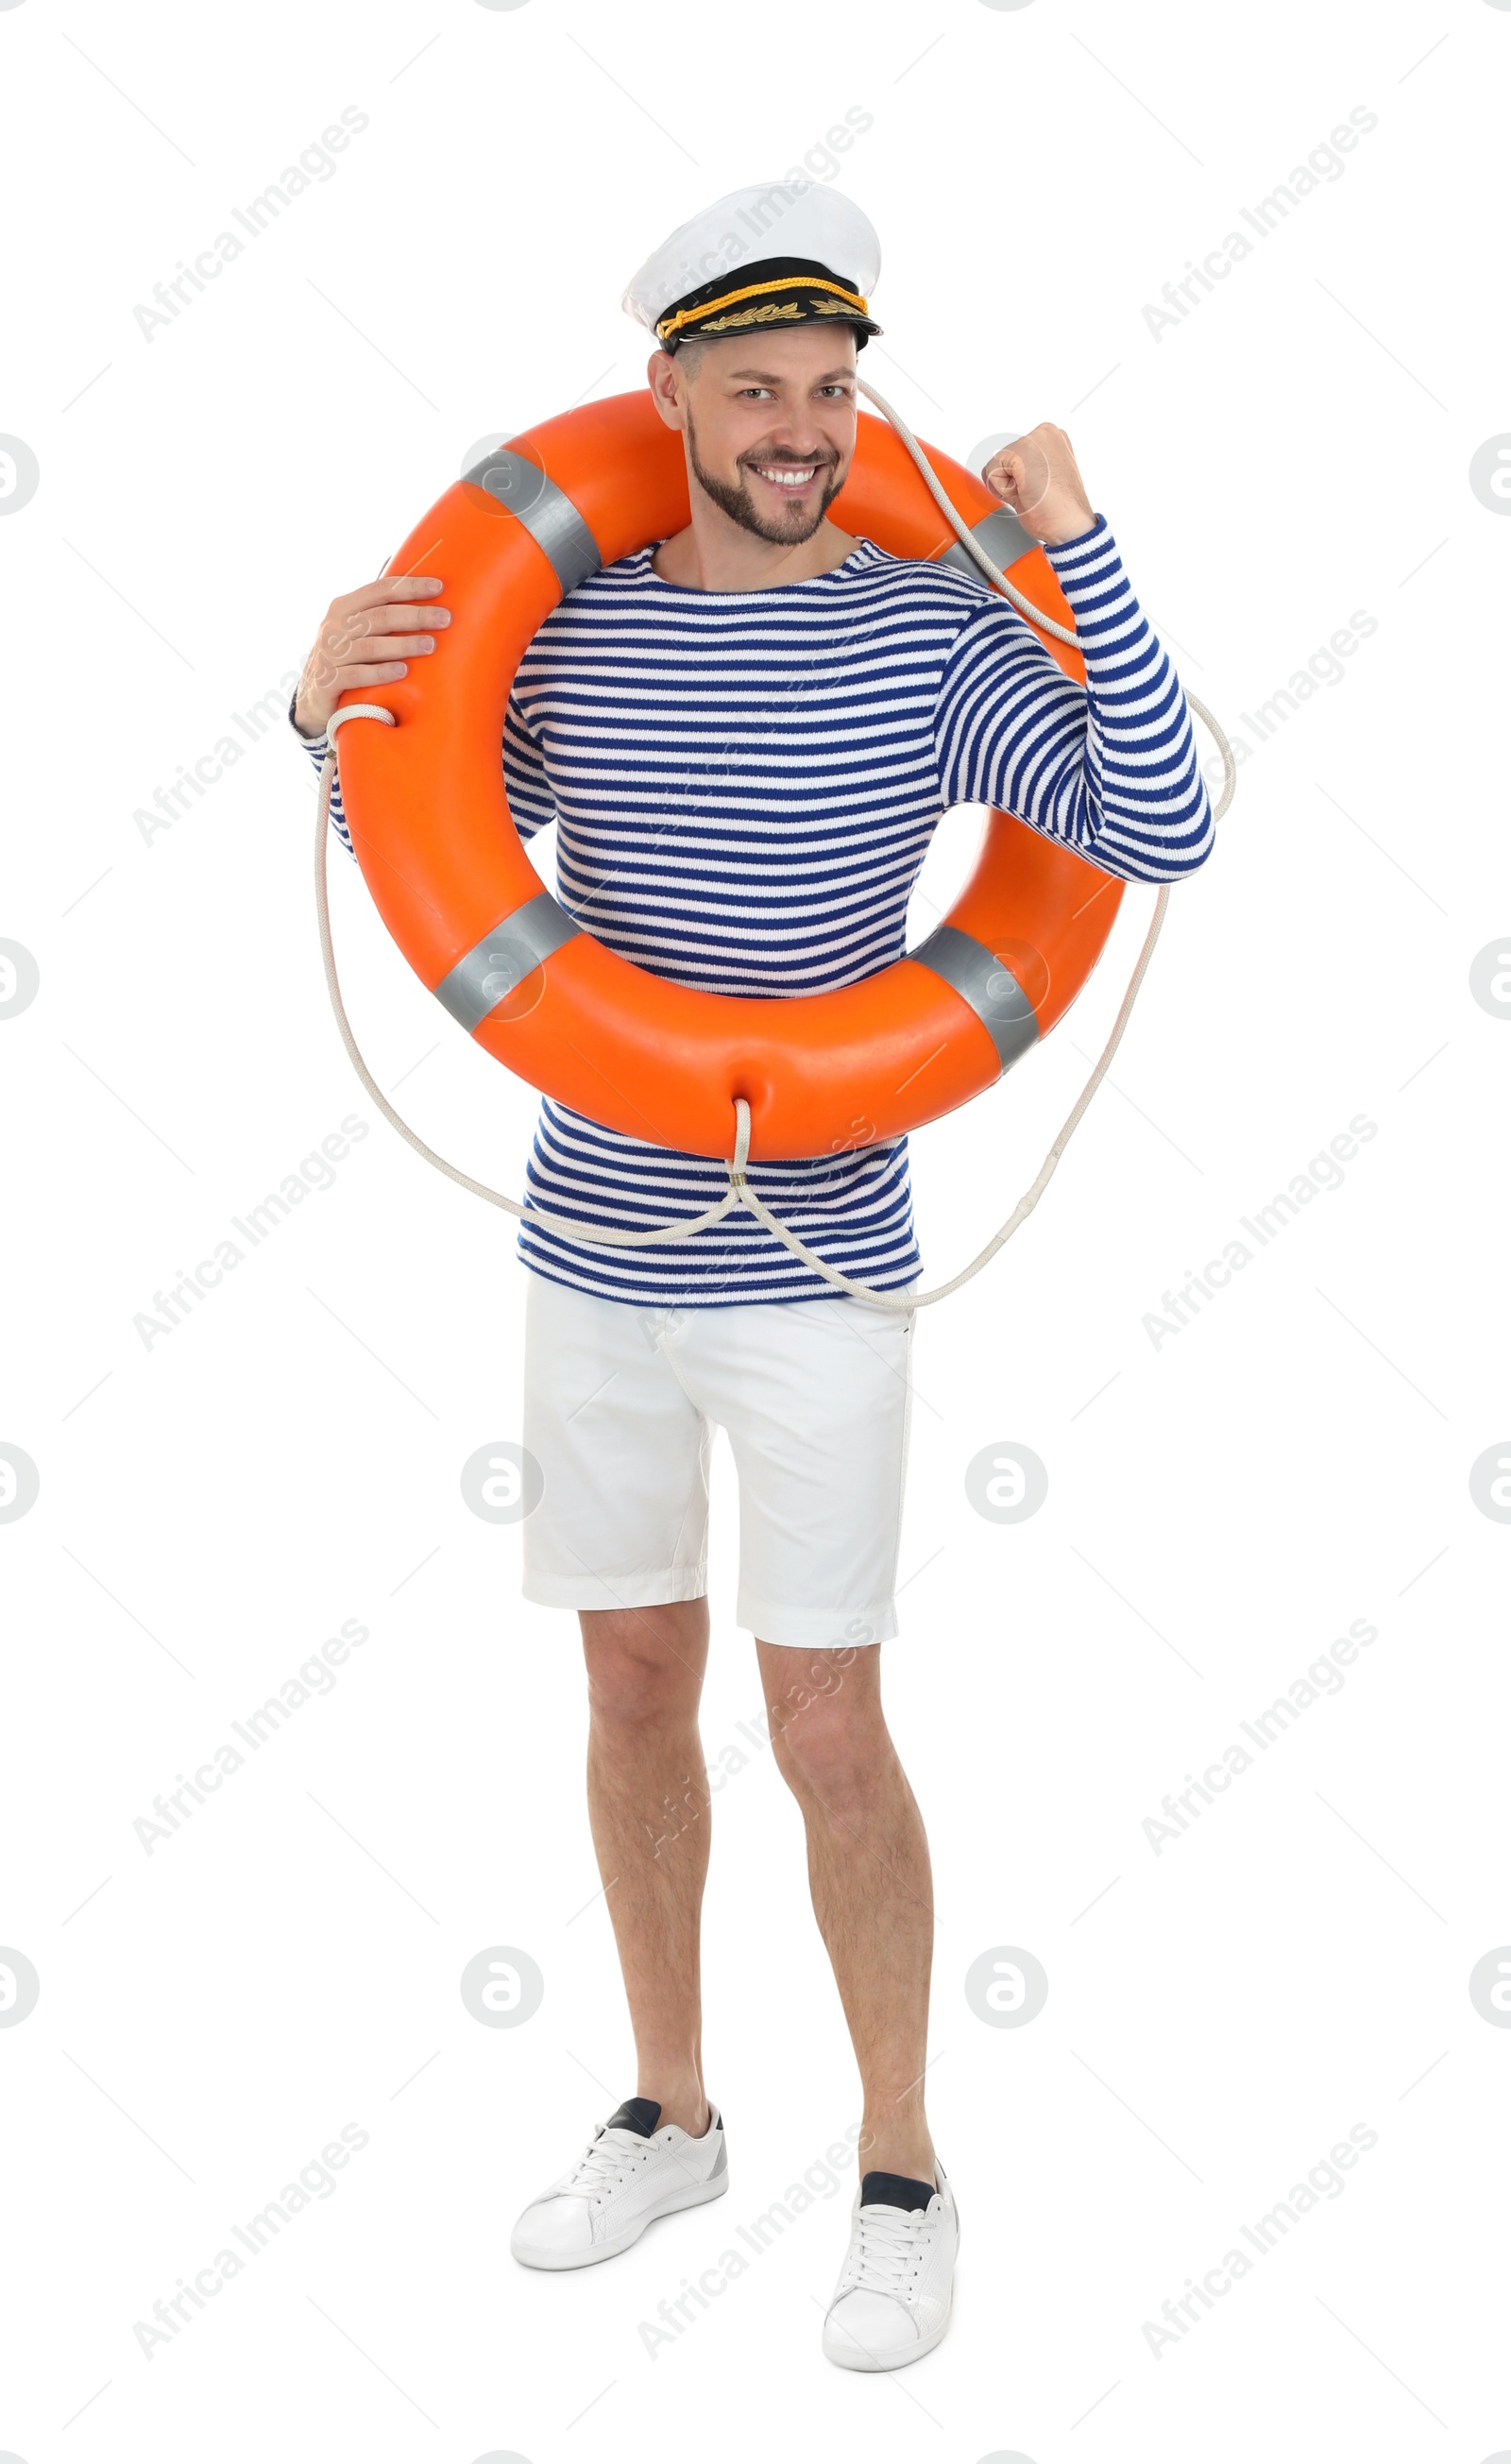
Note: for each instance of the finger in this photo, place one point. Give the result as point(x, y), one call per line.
point(376, 624)
point(359, 622)
point(389, 673)
point(1033, 478)
point(389, 586)
point(385, 646)
point(334, 675)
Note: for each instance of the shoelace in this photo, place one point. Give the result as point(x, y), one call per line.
point(605, 2162)
point(891, 2241)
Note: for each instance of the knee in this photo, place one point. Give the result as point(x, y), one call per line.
point(636, 1678)
point(833, 1754)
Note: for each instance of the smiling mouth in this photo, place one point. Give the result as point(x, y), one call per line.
point(791, 477)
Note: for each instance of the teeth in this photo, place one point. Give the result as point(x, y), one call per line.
point(785, 478)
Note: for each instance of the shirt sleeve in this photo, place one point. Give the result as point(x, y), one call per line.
point(1109, 770)
point(318, 747)
point(530, 802)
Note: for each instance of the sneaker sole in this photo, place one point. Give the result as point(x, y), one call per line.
point(700, 2193)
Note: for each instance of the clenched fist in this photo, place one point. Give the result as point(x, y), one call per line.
point(1037, 477)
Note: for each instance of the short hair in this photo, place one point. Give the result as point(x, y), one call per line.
point(691, 353)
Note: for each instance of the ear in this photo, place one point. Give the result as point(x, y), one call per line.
point(668, 387)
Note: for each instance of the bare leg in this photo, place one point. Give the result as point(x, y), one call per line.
point(649, 1806)
point(868, 1871)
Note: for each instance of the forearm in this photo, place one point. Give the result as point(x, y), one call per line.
point(1129, 794)
point(317, 747)
point(1109, 769)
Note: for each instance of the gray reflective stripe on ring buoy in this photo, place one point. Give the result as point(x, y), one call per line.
point(991, 989)
point(503, 959)
point(548, 515)
point(1002, 536)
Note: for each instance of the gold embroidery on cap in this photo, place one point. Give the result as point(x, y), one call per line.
point(666, 325)
point(750, 317)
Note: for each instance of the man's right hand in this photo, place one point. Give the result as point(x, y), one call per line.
point(366, 639)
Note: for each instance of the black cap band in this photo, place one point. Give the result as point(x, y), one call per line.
point(780, 291)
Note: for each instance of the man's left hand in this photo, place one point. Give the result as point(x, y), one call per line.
point(1037, 477)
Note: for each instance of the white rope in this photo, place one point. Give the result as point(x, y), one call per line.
point(739, 1192)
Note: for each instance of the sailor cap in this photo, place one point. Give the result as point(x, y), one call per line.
point(783, 253)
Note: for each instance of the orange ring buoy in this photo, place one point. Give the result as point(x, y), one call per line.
point(429, 821)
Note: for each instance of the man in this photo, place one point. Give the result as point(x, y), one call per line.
point(747, 734)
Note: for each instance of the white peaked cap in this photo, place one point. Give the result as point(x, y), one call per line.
point(775, 218)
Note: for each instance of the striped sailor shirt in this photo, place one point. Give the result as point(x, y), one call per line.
point(745, 784)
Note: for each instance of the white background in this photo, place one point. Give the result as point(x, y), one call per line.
point(1219, 1507)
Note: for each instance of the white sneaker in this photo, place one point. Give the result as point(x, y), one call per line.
point(892, 2300)
point(630, 2173)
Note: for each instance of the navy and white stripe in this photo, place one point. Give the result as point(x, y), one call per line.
point(746, 783)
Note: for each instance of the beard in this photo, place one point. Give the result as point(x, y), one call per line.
point(782, 530)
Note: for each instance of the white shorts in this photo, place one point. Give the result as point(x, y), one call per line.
point(620, 1408)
